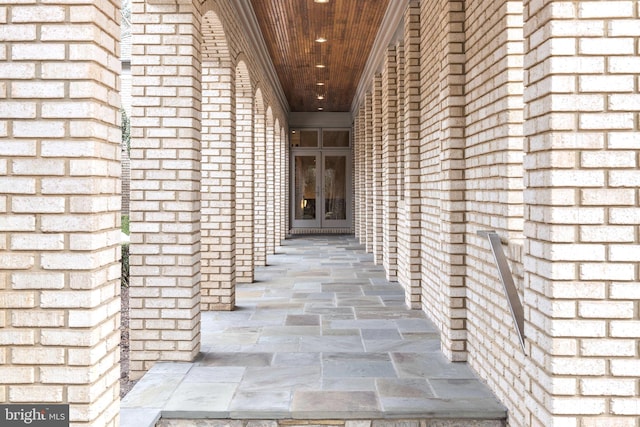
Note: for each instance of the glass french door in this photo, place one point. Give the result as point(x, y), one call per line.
point(321, 189)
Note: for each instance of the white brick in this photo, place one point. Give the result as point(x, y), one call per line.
point(17, 148)
point(65, 375)
point(16, 337)
point(624, 253)
point(17, 223)
point(38, 52)
point(35, 319)
point(625, 367)
point(38, 356)
point(603, 46)
point(37, 242)
point(608, 234)
point(623, 406)
point(607, 271)
point(38, 167)
point(40, 13)
point(622, 140)
point(36, 280)
point(37, 90)
point(36, 393)
point(15, 375)
point(18, 33)
point(69, 149)
point(578, 328)
point(626, 27)
point(38, 129)
point(624, 178)
point(624, 215)
point(606, 121)
point(67, 299)
point(605, 309)
point(578, 405)
point(625, 329)
point(630, 291)
point(18, 110)
point(609, 159)
point(35, 204)
point(627, 102)
point(607, 347)
point(11, 185)
point(605, 9)
point(16, 261)
point(612, 83)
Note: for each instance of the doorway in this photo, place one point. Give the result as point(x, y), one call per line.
point(321, 171)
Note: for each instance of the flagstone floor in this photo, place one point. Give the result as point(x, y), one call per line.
point(320, 334)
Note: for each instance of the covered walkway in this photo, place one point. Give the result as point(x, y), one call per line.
point(320, 335)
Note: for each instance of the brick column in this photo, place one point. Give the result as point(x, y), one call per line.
point(60, 207)
point(244, 176)
point(452, 194)
point(581, 211)
point(277, 197)
point(165, 184)
point(359, 171)
point(412, 171)
point(270, 169)
point(389, 164)
point(368, 172)
point(260, 183)
point(376, 184)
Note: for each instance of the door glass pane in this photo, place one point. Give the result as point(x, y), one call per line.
point(335, 187)
point(305, 182)
point(335, 138)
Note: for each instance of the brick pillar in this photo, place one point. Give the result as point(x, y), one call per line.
point(412, 170)
point(286, 183)
point(376, 184)
point(60, 207)
point(277, 196)
point(260, 183)
point(452, 188)
point(368, 172)
point(244, 176)
point(359, 171)
point(165, 184)
point(581, 211)
point(218, 188)
point(270, 169)
point(389, 164)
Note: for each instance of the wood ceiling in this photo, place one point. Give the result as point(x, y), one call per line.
point(290, 29)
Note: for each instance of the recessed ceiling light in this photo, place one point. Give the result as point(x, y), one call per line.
point(320, 84)
point(320, 66)
point(320, 97)
point(321, 1)
point(321, 40)
point(320, 108)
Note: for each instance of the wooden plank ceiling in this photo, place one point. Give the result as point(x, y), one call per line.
point(290, 29)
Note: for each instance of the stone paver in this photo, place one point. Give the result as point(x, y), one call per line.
point(320, 335)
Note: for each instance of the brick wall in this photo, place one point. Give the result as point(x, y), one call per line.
point(60, 207)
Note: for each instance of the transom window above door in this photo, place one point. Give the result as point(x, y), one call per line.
point(320, 138)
